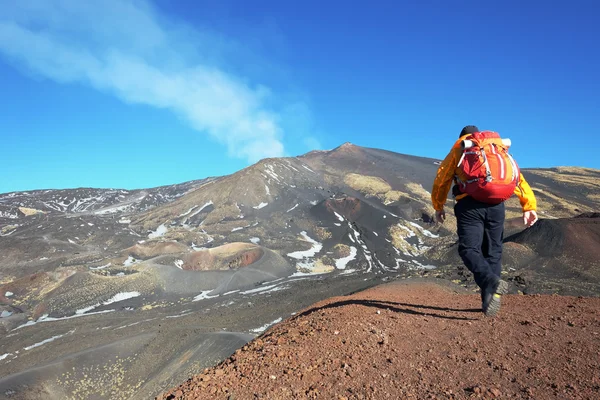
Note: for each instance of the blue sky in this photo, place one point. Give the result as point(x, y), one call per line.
point(135, 94)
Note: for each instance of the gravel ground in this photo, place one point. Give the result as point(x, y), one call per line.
point(420, 341)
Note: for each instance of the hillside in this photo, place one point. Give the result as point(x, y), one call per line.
point(145, 288)
point(416, 340)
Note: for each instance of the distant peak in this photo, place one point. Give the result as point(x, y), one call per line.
point(347, 147)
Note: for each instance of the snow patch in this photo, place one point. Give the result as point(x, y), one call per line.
point(5, 314)
point(115, 299)
point(339, 217)
point(255, 240)
point(101, 267)
point(198, 211)
point(46, 318)
point(159, 232)
point(299, 255)
point(261, 205)
point(258, 290)
point(204, 295)
point(3, 356)
point(130, 261)
point(187, 212)
point(342, 262)
point(121, 296)
point(43, 342)
point(423, 266)
point(305, 167)
point(124, 221)
point(112, 210)
point(267, 190)
point(293, 208)
point(424, 231)
point(266, 326)
point(179, 264)
point(8, 294)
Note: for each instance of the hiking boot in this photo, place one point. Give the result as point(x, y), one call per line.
point(491, 299)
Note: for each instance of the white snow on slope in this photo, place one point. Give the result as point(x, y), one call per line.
point(424, 231)
point(198, 211)
point(423, 266)
point(342, 262)
point(100, 267)
point(299, 255)
point(130, 261)
point(410, 232)
point(3, 356)
point(255, 240)
point(265, 326)
point(293, 208)
point(308, 168)
point(113, 210)
point(159, 232)
point(46, 318)
point(6, 214)
point(121, 296)
point(267, 190)
point(258, 289)
point(115, 299)
point(204, 295)
point(187, 212)
point(261, 205)
point(271, 172)
point(359, 241)
point(52, 339)
point(179, 263)
point(8, 294)
point(339, 217)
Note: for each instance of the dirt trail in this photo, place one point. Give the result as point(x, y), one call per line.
point(416, 341)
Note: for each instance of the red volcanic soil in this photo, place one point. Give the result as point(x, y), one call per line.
point(229, 256)
point(416, 341)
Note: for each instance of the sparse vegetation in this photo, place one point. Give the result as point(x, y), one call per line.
point(30, 211)
point(368, 185)
point(341, 250)
point(322, 233)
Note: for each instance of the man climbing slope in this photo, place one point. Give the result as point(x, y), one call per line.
point(484, 176)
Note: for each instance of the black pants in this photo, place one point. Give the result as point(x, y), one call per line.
point(480, 229)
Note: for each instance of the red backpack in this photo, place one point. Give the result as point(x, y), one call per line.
point(486, 171)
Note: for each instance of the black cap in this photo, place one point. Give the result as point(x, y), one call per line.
point(467, 130)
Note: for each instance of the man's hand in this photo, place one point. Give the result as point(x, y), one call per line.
point(530, 218)
point(440, 216)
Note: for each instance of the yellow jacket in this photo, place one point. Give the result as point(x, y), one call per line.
point(447, 171)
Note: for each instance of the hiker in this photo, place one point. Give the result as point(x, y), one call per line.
point(483, 180)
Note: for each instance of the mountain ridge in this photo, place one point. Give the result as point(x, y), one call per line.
point(167, 269)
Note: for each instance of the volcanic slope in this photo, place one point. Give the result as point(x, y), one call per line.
point(183, 281)
point(416, 340)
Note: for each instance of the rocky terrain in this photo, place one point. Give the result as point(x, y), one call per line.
point(121, 294)
point(416, 340)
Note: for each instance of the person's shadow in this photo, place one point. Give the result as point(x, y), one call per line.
point(406, 308)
